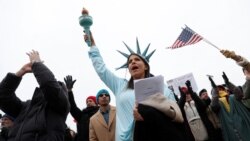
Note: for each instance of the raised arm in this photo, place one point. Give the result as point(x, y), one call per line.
point(238, 93)
point(74, 110)
point(182, 99)
point(215, 96)
point(245, 64)
point(201, 105)
point(8, 87)
point(111, 80)
point(55, 92)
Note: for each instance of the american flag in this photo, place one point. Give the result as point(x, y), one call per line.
point(187, 37)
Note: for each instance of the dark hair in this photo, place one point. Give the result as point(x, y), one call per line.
point(147, 72)
point(131, 81)
point(202, 91)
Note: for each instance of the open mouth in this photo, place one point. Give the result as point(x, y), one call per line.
point(134, 68)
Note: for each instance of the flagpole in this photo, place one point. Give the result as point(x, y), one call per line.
point(205, 40)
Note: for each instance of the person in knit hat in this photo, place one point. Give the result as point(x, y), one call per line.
point(7, 122)
point(233, 115)
point(81, 117)
point(103, 122)
point(102, 91)
point(8, 117)
point(91, 101)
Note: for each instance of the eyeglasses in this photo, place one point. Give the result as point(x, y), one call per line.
point(101, 95)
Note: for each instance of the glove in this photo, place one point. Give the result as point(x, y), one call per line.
point(212, 82)
point(232, 55)
point(181, 92)
point(226, 80)
point(228, 54)
point(69, 82)
point(190, 89)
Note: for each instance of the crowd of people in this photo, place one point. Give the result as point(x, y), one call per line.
point(193, 116)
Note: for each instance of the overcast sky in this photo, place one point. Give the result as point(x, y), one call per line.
point(52, 28)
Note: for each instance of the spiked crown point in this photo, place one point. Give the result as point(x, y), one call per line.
point(138, 52)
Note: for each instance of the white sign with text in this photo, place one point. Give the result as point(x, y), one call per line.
point(173, 84)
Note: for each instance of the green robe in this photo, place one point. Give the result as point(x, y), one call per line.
point(236, 123)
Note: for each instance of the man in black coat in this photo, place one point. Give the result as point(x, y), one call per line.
point(43, 117)
point(6, 123)
point(82, 117)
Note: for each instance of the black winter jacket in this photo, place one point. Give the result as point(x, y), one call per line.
point(82, 118)
point(156, 126)
point(43, 117)
point(4, 134)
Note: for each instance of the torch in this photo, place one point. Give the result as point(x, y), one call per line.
point(86, 21)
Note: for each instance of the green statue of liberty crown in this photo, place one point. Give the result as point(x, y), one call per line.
point(142, 55)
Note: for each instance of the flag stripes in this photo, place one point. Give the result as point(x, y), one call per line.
point(187, 37)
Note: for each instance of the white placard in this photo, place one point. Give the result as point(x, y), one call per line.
point(148, 86)
point(173, 84)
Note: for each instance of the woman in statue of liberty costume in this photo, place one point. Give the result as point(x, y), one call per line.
point(127, 115)
point(127, 111)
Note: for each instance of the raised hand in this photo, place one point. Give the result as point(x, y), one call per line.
point(224, 76)
point(34, 56)
point(25, 69)
point(227, 53)
point(232, 55)
point(69, 82)
point(188, 84)
point(86, 38)
point(212, 82)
